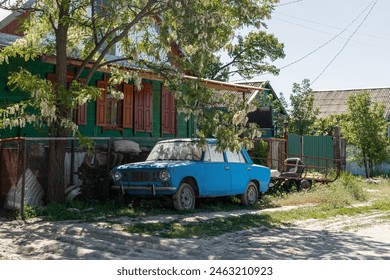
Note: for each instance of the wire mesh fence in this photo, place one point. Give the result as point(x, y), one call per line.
point(24, 168)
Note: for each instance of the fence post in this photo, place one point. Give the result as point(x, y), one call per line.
point(23, 178)
point(71, 162)
point(337, 148)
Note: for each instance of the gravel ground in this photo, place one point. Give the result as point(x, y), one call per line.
point(361, 237)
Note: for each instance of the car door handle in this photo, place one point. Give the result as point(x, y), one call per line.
point(248, 168)
point(227, 168)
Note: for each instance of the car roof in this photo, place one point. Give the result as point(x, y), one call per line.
point(208, 140)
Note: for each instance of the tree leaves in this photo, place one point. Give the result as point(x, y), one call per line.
point(366, 128)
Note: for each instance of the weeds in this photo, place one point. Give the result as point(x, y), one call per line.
point(28, 213)
point(83, 210)
point(352, 186)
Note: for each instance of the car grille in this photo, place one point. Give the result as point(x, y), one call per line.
point(141, 176)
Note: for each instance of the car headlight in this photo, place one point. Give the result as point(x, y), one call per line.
point(164, 175)
point(117, 176)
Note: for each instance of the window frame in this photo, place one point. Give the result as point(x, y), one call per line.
point(124, 110)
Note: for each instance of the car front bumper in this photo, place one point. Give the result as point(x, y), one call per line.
point(154, 190)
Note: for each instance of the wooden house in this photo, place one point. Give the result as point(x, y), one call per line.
point(147, 115)
point(331, 102)
point(334, 102)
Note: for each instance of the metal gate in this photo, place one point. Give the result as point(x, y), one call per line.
point(313, 150)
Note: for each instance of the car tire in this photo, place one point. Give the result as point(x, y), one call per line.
point(251, 195)
point(184, 198)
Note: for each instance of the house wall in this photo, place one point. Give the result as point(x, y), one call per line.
point(184, 128)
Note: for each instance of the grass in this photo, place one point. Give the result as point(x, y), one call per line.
point(345, 191)
point(213, 227)
point(347, 196)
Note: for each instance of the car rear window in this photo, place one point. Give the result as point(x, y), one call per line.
point(235, 157)
point(212, 155)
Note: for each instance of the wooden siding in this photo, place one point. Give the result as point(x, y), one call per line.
point(128, 106)
point(143, 101)
point(168, 112)
point(184, 128)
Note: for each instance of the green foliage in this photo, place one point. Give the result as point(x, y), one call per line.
point(29, 212)
point(303, 114)
point(278, 112)
point(260, 152)
point(249, 56)
point(366, 128)
point(322, 126)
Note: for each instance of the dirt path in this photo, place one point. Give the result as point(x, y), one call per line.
point(342, 238)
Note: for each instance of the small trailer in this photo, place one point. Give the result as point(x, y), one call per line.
point(297, 175)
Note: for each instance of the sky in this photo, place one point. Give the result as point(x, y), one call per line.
point(357, 58)
point(336, 44)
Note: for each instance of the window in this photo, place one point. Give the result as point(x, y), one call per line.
point(212, 155)
point(114, 113)
point(168, 112)
point(234, 157)
point(143, 108)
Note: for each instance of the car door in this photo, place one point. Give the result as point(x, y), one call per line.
point(217, 172)
point(240, 171)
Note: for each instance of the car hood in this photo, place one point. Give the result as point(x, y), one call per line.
point(156, 164)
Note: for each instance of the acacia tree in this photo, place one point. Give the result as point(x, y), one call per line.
point(89, 29)
point(366, 128)
point(303, 114)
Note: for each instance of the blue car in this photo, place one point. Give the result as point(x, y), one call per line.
point(184, 169)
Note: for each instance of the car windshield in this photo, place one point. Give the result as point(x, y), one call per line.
point(177, 150)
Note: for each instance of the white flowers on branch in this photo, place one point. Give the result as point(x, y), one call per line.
point(13, 116)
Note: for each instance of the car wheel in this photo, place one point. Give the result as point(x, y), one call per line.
point(251, 195)
point(184, 198)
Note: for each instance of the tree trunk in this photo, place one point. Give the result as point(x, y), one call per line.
point(57, 149)
point(365, 165)
point(56, 171)
point(371, 168)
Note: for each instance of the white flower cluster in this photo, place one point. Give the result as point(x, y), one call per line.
point(117, 94)
point(240, 117)
point(20, 121)
point(20, 42)
point(85, 99)
point(48, 111)
point(70, 126)
point(120, 76)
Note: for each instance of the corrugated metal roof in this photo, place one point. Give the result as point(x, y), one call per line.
point(7, 40)
point(335, 101)
point(244, 95)
point(14, 15)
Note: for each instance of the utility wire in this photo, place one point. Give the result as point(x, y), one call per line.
point(327, 33)
point(319, 23)
point(332, 39)
point(288, 3)
point(346, 43)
